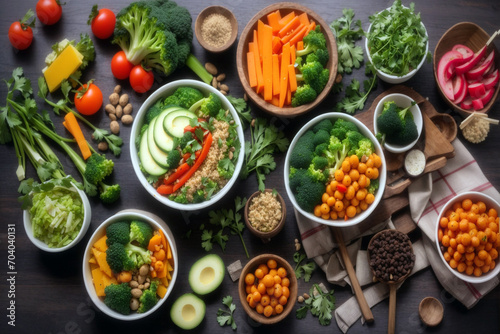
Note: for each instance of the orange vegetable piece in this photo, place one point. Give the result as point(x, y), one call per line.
point(258, 66)
point(97, 275)
point(289, 27)
point(300, 45)
point(252, 75)
point(155, 240)
point(285, 19)
point(276, 45)
point(73, 127)
point(292, 79)
point(101, 243)
point(273, 20)
point(161, 290)
point(304, 19)
point(299, 36)
point(289, 37)
point(285, 59)
point(267, 61)
point(276, 75)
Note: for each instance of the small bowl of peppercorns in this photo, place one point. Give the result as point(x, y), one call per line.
point(216, 29)
point(265, 214)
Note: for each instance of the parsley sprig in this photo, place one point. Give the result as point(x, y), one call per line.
point(242, 109)
point(355, 98)
point(321, 305)
point(266, 139)
point(223, 218)
point(225, 317)
point(305, 269)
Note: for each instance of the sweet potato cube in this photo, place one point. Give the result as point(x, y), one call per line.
point(101, 244)
point(161, 291)
point(97, 275)
point(101, 261)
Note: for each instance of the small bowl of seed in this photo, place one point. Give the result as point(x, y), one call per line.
point(216, 29)
point(265, 214)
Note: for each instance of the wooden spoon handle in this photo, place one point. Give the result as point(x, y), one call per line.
point(358, 292)
point(391, 327)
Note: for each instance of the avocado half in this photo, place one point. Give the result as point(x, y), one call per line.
point(207, 274)
point(188, 311)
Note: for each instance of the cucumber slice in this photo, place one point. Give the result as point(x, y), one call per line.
point(175, 122)
point(159, 156)
point(148, 163)
point(162, 139)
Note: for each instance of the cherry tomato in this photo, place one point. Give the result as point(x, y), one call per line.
point(48, 11)
point(88, 100)
point(20, 32)
point(120, 66)
point(141, 80)
point(102, 22)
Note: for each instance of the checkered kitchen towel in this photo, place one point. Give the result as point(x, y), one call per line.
point(427, 195)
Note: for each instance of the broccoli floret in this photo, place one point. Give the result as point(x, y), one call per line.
point(321, 149)
point(325, 124)
point(185, 139)
point(396, 125)
point(98, 167)
point(409, 133)
point(159, 35)
point(117, 258)
point(365, 147)
point(118, 297)
point(148, 298)
point(374, 185)
point(140, 232)
point(171, 100)
point(323, 56)
point(354, 137)
point(320, 162)
point(138, 255)
point(313, 41)
point(343, 124)
point(303, 95)
point(207, 106)
point(336, 152)
point(320, 137)
point(314, 75)
point(154, 110)
point(308, 194)
point(302, 154)
point(389, 122)
point(296, 177)
point(187, 96)
point(316, 175)
point(109, 194)
point(173, 159)
point(118, 232)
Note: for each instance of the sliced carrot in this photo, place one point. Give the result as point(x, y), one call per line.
point(275, 101)
point(277, 44)
point(250, 47)
point(285, 19)
point(289, 37)
point(300, 45)
point(311, 26)
point(285, 61)
point(304, 19)
point(260, 31)
point(288, 99)
point(298, 36)
point(289, 27)
point(164, 241)
point(155, 240)
point(74, 128)
point(292, 79)
point(276, 75)
point(292, 54)
point(267, 61)
point(273, 20)
point(258, 66)
point(252, 76)
point(178, 173)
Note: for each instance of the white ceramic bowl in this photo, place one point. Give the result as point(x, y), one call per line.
point(393, 79)
point(87, 215)
point(163, 92)
point(382, 171)
point(402, 101)
point(157, 224)
point(475, 197)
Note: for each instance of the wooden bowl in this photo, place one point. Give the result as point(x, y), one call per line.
point(241, 59)
point(250, 268)
point(265, 236)
point(431, 311)
point(216, 10)
point(471, 35)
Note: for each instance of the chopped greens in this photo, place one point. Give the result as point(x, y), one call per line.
point(225, 317)
point(321, 305)
point(304, 270)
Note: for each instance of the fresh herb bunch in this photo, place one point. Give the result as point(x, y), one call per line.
point(355, 98)
point(350, 55)
point(397, 39)
point(266, 139)
point(225, 317)
point(321, 305)
point(305, 269)
point(223, 218)
point(242, 109)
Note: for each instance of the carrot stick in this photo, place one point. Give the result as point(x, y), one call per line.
point(74, 128)
point(304, 19)
point(178, 173)
point(275, 101)
point(273, 20)
point(252, 76)
point(285, 19)
point(312, 26)
point(267, 61)
point(290, 36)
point(292, 79)
point(258, 66)
point(260, 31)
point(250, 47)
point(289, 27)
point(288, 100)
point(298, 36)
point(300, 45)
point(276, 44)
point(285, 61)
point(276, 75)
point(292, 54)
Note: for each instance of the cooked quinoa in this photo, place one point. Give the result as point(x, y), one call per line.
point(264, 212)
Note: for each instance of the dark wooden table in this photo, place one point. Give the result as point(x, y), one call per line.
point(49, 292)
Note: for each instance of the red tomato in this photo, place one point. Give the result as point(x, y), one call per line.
point(120, 66)
point(20, 32)
point(48, 11)
point(140, 79)
point(88, 101)
point(103, 22)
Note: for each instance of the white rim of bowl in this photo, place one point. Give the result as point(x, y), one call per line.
point(87, 214)
point(136, 127)
point(87, 279)
point(382, 174)
point(471, 279)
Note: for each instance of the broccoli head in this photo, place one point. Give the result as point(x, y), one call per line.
point(155, 110)
point(319, 162)
point(308, 194)
point(109, 193)
point(374, 185)
point(317, 175)
point(303, 95)
point(97, 168)
point(325, 124)
point(173, 159)
point(321, 149)
point(313, 41)
point(137, 255)
point(314, 75)
point(171, 100)
point(187, 96)
point(140, 232)
point(320, 137)
point(397, 124)
point(389, 122)
point(302, 154)
point(185, 139)
point(207, 106)
point(117, 258)
point(148, 298)
point(365, 147)
point(118, 297)
point(118, 232)
point(407, 135)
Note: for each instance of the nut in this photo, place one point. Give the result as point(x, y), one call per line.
point(127, 119)
point(230, 155)
point(102, 146)
point(338, 78)
point(118, 111)
point(306, 296)
point(114, 98)
point(221, 77)
point(127, 110)
point(223, 92)
point(114, 126)
point(133, 284)
point(112, 117)
point(144, 270)
point(245, 97)
point(141, 286)
point(109, 108)
point(117, 89)
point(123, 100)
point(211, 68)
point(142, 279)
point(214, 83)
point(136, 292)
point(224, 87)
point(134, 304)
point(300, 299)
point(146, 285)
point(297, 246)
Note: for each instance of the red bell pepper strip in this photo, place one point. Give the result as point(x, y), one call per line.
point(178, 173)
point(204, 152)
point(165, 189)
point(341, 188)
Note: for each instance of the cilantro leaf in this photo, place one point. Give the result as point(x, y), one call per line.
point(242, 109)
point(320, 304)
point(225, 317)
point(355, 98)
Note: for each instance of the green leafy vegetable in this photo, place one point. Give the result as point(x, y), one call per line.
point(266, 139)
point(225, 317)
point(321, 305)
point(304, 270)
point(355, 98)
point(242, 109)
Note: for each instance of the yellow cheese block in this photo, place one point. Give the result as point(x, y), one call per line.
point(65, 64)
